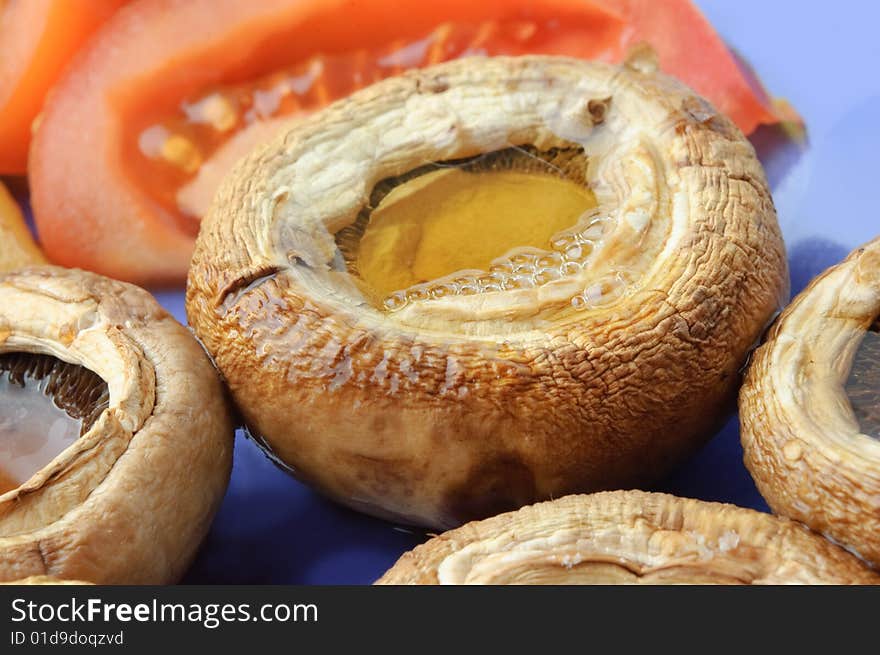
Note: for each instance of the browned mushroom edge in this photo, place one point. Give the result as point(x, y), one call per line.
point(629, 537)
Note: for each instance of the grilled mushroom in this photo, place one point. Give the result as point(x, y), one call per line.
point(115, 438)
point(811, 402)
point(487, 283)
point(629, 537)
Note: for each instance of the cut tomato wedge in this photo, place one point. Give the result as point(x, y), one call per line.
point(170, 93)
point(37, 39)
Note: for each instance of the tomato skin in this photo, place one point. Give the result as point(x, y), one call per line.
point(37, 39)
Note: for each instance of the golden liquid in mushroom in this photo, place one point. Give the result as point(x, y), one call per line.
point(45, 406)
point(863, 385)
point(493, 223)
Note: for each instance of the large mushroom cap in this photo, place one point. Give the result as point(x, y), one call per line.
point(629, 537)
point(475, 394)
point(130, 500)
point(810, 456)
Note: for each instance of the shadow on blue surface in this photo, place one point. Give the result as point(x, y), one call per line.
point(716, 472)
point(272, 529)
point(777, 151)
point(809, 257)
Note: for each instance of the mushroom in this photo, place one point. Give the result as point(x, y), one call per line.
point(810, 406)
point(629, 537)
point(489, 282)
point(127, 494)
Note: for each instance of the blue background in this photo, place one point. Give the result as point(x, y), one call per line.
point(825, 59)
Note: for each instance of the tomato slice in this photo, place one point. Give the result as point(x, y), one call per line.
point(95, 197)
point(152, 113)
point(37, 38)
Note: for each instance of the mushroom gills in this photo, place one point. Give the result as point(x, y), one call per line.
point(863, 385)
point(45, 405)
point(509, 219)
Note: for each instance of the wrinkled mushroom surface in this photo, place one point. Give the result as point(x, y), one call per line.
point(131, 498)
point(629, 537)
point(603, 363)
point(809, 403)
